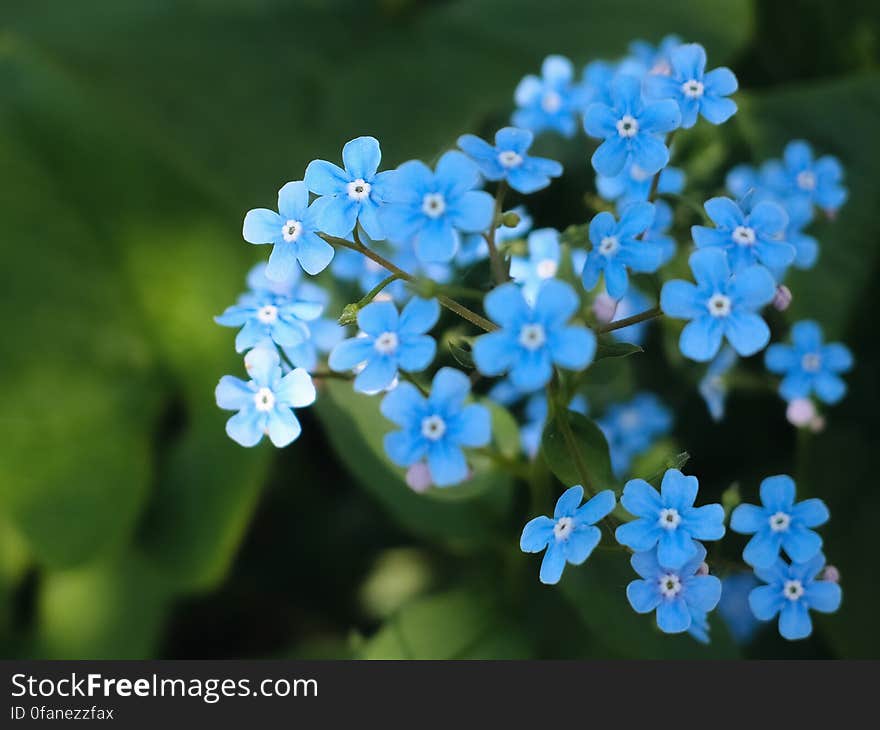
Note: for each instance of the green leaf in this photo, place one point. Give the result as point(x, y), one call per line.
point(505, 430)
point(608, 347)
point(589, 446)
point(462, 355)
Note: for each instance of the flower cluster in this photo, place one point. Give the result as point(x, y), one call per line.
point(467, 309)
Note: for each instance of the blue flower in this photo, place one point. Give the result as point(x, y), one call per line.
point(432, 209)
point(571, 535)
point(634, 302)
point(658, 232)
point(531, 340)
point(668, 519)
point(595, 85)
point(809, 365)
point(325, 334)
point(634, 184)
point(779, 524)
point(798, 175)
point(719, 306)
point(748, 238)
point(631, 428)
point(507, 159)
point(806, 248)
point(650, 59)
point(265, 403)
point(630, 128)
point(474, 248)
point(697, 92)
point(436, 427)
point(388, 342)
point(264, 316)
point(792, 591)
point(734, 606)
point(713, 387)
point(547, 102)
point(542, 262)
point(616, 248)
point(536, 417)
point(352, 195)
point(677, 594)
point(292, 231)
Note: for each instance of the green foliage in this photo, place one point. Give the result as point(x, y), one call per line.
point(591, 452)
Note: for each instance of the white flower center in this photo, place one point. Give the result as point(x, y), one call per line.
point(811, 362)
point(291, 231)
point(532, 336)
point(267, 314)
point(608, 246)
point(433, 205)
point(670, 585)
point(669, 518)
point(627, 126)
point(719, 305)
point(638, 174)
point(546, 268)
point(793, 590)
point(780, 522)
point(692, 89)
point(264, 399)
point(551, 102)
point(359, 189)
point(563, 528)
point(386, 343)
point(806, 180)
point(509, 159)
point(743, 235)
point(433, 428)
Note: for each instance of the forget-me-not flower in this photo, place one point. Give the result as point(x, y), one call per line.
point(651, 59)
point(293, 231)
point(798, 175)
point(547, 102)
point(809, 365)
point(616, 247)
point(541, 264)
point(634, 184)
point(507, 159)
point(792, 591)
point(571, 535)
point(532, 339)
point(712, 386)
point(668, 519)
point(630, 128)
point(265, 403)
point(677, 594)
point(433, 208)
point(388, 341)
point(437, 427)
point(696, 91)
point(352, 195)
point(631, 428)
point(779, 524)
point(264, 316)
point(747, 237)
point(719, 306)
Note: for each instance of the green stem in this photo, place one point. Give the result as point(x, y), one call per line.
point(499, 270)
point(560, 414)
point(371, 295)
point(635, 319)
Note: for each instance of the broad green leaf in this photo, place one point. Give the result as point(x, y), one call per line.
point(611, 348)
point(587, 445)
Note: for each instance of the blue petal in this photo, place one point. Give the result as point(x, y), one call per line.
point(516, 140)
point(537, 533)
point(263, 366)
point(449, 390)
point(293, 200)
point(648, 152)
point(823, 596)
point(597, 508)
point(418, 316)
point(568, 502)
point(768, 218)
point(747, 332)
point(705, 237)
point(778, 493)
point(532, 370)
point(780, 358)
point(404, 405)
point(416, 353)
point(681, 299)
point(601, 226)
point(638, 535)
point(811, 513)
point(800, 543)
point(525, 179)
point(581, 544)
point(703, 592)
point(720, 82)
point(611, 156)
point(766, 601)
point(600, 121)
point(660, 117)
point(706, 522)
point(796, 385)
point(678, 491)
point(641, 499)
point(378, 317)
point(233, 394)
point(643, 595)
point(455, 174)
point(806, 335)
point(837, 358)
point(472, 427)
point(675, 548)
point(436, 241)
point(556, 303)
point(446, 463)
point(313, 254)
point(283, 426)
point(710, 268)
point(673, 616)
point(572, 347)
point(717, 110)
point(361, 157)
point(762, 550)
point(829, 388)
point(553, 563)
point(336, 215)
point(473, 211)
point(794, 621)
point(495, 352)
point(246, 427)
point(635, 219)
point(506, 305)
point(616, 278)
point(689, 61)
point(325, 178)
point(645, 564)
point(404, 448)
point(262, 226)
point(350, 353)
point(378, 374)
point(296, 389)
point(701, 338)
point(747, 519)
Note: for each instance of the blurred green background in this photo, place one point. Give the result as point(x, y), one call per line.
point(134, 135)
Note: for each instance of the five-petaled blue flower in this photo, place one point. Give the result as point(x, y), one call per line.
point(531, 340)
point(436, 427)
point(352, 195)
point(265, 316)
point(668, 519)
point(719, 306)
point(548, 101)
point(388, 341)
point(542, 262)
point(630, 129)
point(779, 524)
point(798, 175)
point(631, 428)
point(713, 387)
point(747, 237)
point(616, 248)
point(292, 230)
point(809, 365)
point(634, 184)
point(571, 535)
point(696, 91)
point(792, 591)
point(265, 403)
point(432, 209)
point(679, 595)
point(507, 159)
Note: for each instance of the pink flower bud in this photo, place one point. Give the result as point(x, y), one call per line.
point(703, 569)
point(782, 298)
point(800, 412)
point(831, 573)
point(817, 424)
point(418, 477)
point(604, 307)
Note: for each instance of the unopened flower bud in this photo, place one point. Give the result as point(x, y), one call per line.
point(831, 573)
point(817, 424)
point(800, 412)
point(349, 314)
point(703, 569)
point(782, 298)
point(510, 219)
point(418, 477)
point(604, 307)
